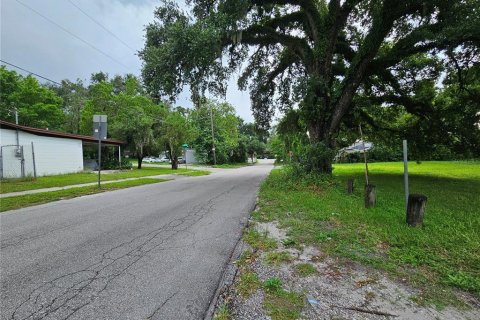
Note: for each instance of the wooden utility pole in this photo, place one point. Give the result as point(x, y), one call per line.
point(416, 209)
point(213, 136)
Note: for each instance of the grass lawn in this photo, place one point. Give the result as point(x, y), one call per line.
point(441, 256)
point(7, 186)
point(17, 202)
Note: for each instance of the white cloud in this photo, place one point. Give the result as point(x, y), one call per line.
point(33, 43)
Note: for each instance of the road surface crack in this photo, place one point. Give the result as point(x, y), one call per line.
point(65, 295)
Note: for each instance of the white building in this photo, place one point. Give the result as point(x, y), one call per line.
point(27, 151)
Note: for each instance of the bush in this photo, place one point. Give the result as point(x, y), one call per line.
point(312, 158)
point(113, 164)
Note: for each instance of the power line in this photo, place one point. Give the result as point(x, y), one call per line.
point(101, 25)
point(72, 34)
point(35, 74)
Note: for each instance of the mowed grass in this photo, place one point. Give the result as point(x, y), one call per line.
point(18, 202)
point(7, 186)
point(443, 255)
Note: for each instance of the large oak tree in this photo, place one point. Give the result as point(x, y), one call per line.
point(314, 55)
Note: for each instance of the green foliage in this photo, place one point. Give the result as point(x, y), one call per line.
point(18, 202)
point(276, 258)
point(79, 178)
point(272, 284)
point(443, 254)
point(225, 128)
point(289, 242)
point(175, 131)
point(283, 305)
point(368, 55)
point(112, 163)
point(37, 105)
point(314, 157)
point(305, 269)
point(248, 283)
point(259, 241)
point(223, 313)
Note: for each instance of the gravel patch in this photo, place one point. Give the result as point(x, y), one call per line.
point(340, 290)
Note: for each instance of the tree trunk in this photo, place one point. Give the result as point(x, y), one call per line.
point(174, 163)
point(415, 209)
point(139, 162)
point(323, 141)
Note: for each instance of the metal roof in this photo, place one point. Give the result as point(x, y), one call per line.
point(57, 134)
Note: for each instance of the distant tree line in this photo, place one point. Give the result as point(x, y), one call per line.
point(149, 126)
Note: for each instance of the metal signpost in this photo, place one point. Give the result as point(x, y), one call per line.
point(405, 171)
point(100, 132)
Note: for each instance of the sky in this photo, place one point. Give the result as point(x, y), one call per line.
point(69, 45)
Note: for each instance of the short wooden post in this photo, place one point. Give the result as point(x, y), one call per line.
point(350, 186)
point(415, 209)
point(370, 196)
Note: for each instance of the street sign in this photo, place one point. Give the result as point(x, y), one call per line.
point(100, 132)
point(100, 127)
point(184, 146)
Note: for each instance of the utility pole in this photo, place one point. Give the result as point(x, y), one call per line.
point(213, 136)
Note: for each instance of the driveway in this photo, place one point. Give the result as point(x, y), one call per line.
point(151, 252)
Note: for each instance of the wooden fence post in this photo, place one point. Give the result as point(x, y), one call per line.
point(370, 196)
point(415, 209)
point(350, 186)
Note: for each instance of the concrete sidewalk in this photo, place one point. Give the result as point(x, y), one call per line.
point(22, 193)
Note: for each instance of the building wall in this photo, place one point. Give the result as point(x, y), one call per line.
point(52, 155)
point(190, 156)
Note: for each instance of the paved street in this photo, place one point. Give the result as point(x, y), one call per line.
point(150, 252)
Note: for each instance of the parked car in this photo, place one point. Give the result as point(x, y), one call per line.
point(165, 159)
point(181, 160)
point(151, 160)
point(147, 159)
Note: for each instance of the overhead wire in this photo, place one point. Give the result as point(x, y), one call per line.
point(72, 34)
point(30, 72)
point(101, 25)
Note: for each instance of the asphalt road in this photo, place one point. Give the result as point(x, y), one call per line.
point(150, 252)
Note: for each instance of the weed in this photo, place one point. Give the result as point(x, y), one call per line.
point(277, 257)
point(272, 284)
point(248, 283)
point(289, 242)
point(259, 241)
point(283, 305)
point(246, 258)
point(223, 313)
point(305, 269)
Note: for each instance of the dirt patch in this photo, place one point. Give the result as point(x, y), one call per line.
point(272, 229)
point(339, 289)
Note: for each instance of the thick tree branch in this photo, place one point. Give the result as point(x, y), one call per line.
point(256, 35)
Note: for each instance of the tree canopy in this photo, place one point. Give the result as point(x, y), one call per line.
point(326, 58)
point(37, 105)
